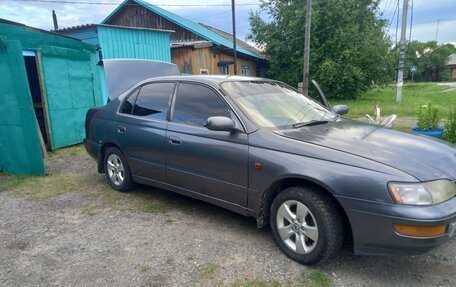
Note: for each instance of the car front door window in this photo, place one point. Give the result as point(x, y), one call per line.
point(195, 103)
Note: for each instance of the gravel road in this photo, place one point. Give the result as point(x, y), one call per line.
point(72, 239)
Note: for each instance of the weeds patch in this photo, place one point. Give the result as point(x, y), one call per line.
point(313, 279)
point(91, 210)
point(257, 283)
point(43, 187)
point(208, 271)
point(169, 260)
point(144, 269)
point(71, 150)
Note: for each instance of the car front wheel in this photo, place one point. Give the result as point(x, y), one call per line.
point(307, 224)
point(117, 171)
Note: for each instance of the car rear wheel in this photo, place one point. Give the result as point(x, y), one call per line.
point(307, 225)
point(117, 171)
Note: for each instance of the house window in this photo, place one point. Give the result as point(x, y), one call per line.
point(204, 72)
point(224, 70)
point(246, 70)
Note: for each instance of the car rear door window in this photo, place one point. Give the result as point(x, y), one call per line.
point(195, 103)
point(153, 101)
point(127, 106)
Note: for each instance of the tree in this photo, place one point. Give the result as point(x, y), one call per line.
point(430, 60)
point(349, 51)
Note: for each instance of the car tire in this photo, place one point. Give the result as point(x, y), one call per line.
point(307, 224)
point(117, 170)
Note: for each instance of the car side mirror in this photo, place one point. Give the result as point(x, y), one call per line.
point(340, 109)
point(221, 124)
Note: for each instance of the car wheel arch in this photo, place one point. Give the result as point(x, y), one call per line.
point(277, 186)
point(103, 149)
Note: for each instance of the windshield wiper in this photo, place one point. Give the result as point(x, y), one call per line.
point(310, 123)
point(315, 122)
point(336, 117)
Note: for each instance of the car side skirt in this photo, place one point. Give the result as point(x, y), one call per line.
point(212, 200)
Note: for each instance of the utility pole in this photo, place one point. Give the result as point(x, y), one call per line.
point(400, 73)
point(233, 13)
point(305, 77)
point(54, 19)
point(437, 31)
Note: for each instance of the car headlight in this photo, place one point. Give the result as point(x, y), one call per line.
point(423, 193)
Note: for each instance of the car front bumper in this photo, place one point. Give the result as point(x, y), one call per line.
point(374, 234)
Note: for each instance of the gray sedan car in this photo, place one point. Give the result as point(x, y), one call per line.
point(260, 148)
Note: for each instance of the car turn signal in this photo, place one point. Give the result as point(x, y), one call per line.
point(420, 231)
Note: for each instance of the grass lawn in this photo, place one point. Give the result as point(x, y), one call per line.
point(414, 95)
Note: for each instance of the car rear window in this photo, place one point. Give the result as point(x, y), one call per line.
point(153, 101)
point(195, 103)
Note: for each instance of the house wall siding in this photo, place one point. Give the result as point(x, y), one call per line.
point(132, 43)
point(453, 73)
point(190, 61)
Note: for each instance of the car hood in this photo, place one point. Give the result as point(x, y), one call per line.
point(422, 157)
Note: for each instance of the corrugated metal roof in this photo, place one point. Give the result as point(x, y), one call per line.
point(136, 28)
point(196, 28)
point(86, 33)
point(12, 23)
point(191, 43)
point(229, 37)
point(83, 26)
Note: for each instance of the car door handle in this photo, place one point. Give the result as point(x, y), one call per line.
point(121, 129)
point(174, 140)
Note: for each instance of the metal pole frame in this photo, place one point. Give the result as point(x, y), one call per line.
point(305, 77)
point(233, 14)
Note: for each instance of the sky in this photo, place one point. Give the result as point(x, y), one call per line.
point(426, 15)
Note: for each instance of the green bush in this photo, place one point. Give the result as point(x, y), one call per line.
point(450, 127)
point(429, 118)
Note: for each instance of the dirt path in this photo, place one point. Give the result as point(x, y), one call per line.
point(70, 229)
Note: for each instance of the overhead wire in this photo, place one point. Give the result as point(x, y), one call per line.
point(118, 3)
point(216, 14)
point(397, 20)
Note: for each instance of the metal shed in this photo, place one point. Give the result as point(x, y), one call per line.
point(48, 82)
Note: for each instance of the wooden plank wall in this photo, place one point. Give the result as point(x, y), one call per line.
point(190, 61)
point(133, 15)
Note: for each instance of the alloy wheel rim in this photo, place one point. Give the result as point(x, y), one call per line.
point(116, 170)
point(297, 227)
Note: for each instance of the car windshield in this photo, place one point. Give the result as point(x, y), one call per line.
point(275, 105)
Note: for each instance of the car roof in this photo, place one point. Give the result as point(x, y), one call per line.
point(213, 80)
point(209, 79)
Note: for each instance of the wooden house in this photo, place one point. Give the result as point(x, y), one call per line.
point(452, 66)
point(195, 48)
